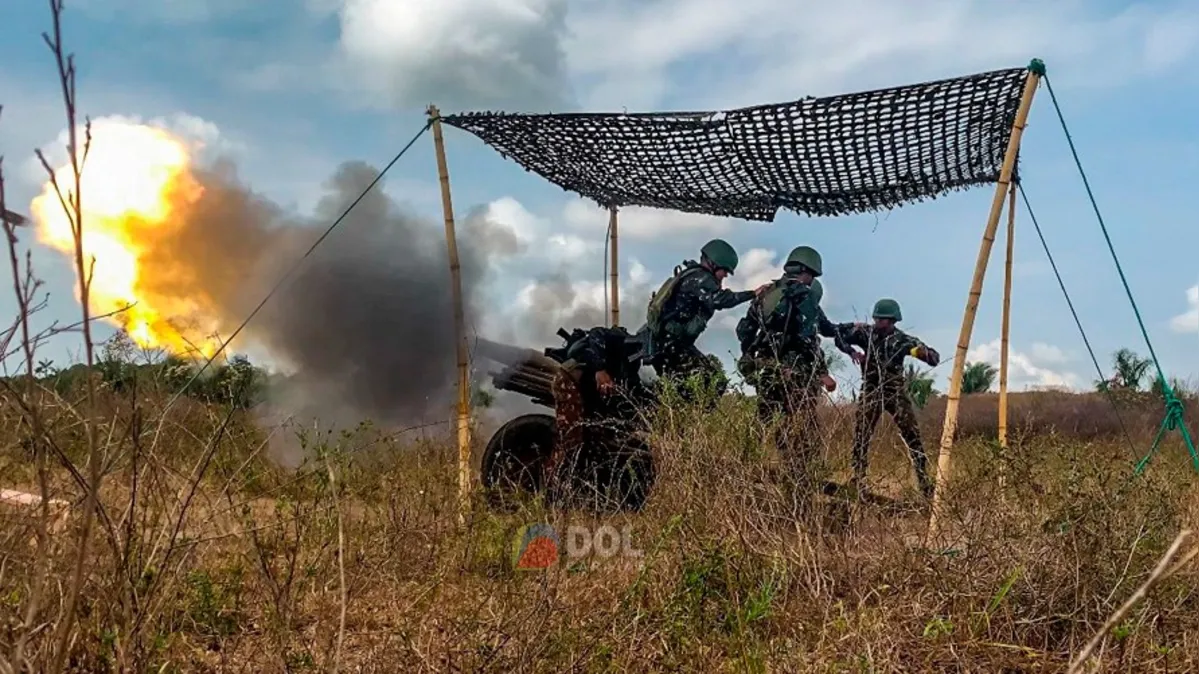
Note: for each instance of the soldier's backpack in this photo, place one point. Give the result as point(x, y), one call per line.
point(778, 291)
point(771, 298)
point(657, 301)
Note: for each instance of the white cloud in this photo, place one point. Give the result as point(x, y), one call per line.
point(459, 53)
point(1188, 321)
point(537, 235)
point(535, 55)
point(649, 224)
point(545, 304)
point(756, 267)
point(639, 274)
point(1028, 370)
point(1047, 353)
point(778, 50)
point(513, 214)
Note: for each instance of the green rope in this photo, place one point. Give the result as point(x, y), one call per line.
point(1174, 417)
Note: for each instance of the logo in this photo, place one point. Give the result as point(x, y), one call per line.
point(536, 547)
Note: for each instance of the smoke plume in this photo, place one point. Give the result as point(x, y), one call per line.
point(366, 321)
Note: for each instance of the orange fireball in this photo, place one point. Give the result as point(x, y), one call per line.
point(137, 187)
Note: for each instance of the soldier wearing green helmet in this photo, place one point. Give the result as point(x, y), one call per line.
point(679, 312)
point(884, 386)
point(782, 358)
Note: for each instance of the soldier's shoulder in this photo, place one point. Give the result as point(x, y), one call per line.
point(700, 279)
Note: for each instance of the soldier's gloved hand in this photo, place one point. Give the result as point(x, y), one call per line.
point(761, 290)
point(934, 358)
point(829, 383)
point(603, 382)
point(927, 354)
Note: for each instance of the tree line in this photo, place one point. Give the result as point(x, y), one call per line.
point(1130, 372)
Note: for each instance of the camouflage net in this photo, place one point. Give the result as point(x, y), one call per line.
point(852, 153)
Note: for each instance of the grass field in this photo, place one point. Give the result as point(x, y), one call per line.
point(209, 557)
point(171, 539)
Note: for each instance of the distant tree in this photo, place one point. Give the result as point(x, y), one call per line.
point(116, 363)
point(1129, 371)
point(920, 385)
point(978, 377)
point(1131, 368)
point(1178, 386)
point(236, 382)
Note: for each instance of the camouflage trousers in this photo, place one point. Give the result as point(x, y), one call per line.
point(680, 363)
point(787, 405)
point(568, 426)
point(871, 405)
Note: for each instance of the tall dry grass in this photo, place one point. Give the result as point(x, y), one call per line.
point(258, 573)
point(185, 548)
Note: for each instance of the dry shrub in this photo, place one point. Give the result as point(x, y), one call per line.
point(186, 549)
point(731, 575)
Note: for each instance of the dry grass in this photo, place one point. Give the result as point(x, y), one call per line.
point(730, 579)
point(186, 549)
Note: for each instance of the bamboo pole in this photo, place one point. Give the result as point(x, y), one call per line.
point(1005, 331)
point(945, 459)
point(1006, 327)
point(614, 271)
point(451, 242)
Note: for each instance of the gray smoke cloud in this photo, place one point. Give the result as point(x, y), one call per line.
point(556, 303)
point(365, 322)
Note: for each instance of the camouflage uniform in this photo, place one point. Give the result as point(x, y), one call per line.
point(578, 402)
point(697, 296)
point(782, 358)
point(884, 388)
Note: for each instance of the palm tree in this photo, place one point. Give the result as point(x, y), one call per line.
point(1130, 369)
point(978, 377)
point(920, 385)
point(1128, 372)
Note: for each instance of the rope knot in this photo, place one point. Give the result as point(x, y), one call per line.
point(1173, 411)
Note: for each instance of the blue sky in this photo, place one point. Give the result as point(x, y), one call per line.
point(291, 89)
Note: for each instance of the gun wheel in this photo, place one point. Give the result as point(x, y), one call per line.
point(515, 456)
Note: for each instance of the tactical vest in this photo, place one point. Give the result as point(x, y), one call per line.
point(776, 295)
point(654, 313)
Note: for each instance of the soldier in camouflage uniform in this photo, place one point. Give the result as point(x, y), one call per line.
point(884, 386)
point(679, 313)
point(781, 357)
point(598, 388)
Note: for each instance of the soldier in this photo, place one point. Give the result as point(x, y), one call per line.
point(599, 385)
point(884, 386)
point(782, 358)
point(679, 312)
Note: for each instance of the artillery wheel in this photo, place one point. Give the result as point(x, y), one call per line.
point(617, 475)
point(515, 456)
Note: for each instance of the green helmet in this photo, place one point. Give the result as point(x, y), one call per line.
point(817, 291)
point(804, 256)
point(721, 254)
point(888, 308)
